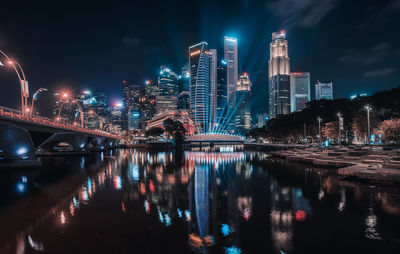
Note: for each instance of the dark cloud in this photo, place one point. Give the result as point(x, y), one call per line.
point(389, 9)
point(301, 13)
point(371, 55)
point(379, 72)
point(130, 41)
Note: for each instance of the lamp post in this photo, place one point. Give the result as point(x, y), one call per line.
point(339, 125)
point(65, 95)
point(319, 129)
point(92, 113)
point(21, 81)
point(368, 108)
point(35, 95)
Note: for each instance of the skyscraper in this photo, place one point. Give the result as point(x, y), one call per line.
point(243, 97)
point(231, 57)
point(213, 87)
point(167, 82)
point(131, 93)
point(300, 92)
point(324, 91)
point(221, 92)
point(279, 76)
point(199, 90)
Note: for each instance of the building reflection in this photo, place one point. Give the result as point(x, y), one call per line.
point(209, 193)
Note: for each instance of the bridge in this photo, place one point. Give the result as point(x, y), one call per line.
point(213, 139)
point(23, 136)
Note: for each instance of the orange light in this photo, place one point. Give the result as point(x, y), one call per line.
point(195, 53)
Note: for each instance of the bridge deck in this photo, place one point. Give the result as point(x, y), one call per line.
point(11, 115)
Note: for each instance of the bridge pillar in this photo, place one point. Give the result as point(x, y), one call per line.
point(64, 142)
point(97, 143)
point(16, 146)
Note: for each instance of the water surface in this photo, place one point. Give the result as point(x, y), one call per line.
point(130, 201)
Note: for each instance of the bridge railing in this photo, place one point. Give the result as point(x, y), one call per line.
point(16, 114)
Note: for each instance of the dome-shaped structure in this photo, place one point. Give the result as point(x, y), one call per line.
point(214, 137)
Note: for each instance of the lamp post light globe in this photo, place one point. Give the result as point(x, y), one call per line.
point(368, 108)
point(339, 127)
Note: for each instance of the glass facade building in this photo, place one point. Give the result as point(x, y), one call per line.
point(324, 91)
point(200, 85)
point(279, 76)
point(231, 58)
point(300, 92)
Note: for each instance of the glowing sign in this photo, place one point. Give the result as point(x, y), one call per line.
point(230, 39)
point(223, 62)
point(195, 53)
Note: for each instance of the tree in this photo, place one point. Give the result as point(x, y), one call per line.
point(176, 129)
point(154, 131)
point(360, 127)
point(330, 130)
point(390, 129)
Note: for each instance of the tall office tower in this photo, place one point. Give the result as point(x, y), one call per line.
point(150, 89)
point(199, 89)
point(323, 91)
point(183, 100)
point(213, 87)
point(134, 119)
point(167, 82)
point(279, 76)
point(300, 92)
point(131, 93)
point(116, 119)
point(243, 98)
point(231, 57)
point(221, 93)
point(166, 103)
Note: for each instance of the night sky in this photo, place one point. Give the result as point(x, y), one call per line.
point(354, 44)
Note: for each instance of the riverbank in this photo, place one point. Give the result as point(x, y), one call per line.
point(370, 163)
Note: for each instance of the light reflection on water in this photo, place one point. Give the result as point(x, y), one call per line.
point(223, 202)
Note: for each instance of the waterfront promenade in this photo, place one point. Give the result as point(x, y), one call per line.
point(371, 163)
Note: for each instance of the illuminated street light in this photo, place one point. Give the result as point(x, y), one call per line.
point(319, 128)
point(368, 108)
point(22, 81)
point(339, 125)
point(35, 96)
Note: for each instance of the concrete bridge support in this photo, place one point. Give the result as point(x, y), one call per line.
point(16, 146)
point(96, 143)
point(64, 142)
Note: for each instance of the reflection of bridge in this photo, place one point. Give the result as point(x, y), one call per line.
point(214, 140)
point(215, 137)
point(23, 134)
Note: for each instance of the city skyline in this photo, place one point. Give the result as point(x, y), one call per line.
point(81, 67)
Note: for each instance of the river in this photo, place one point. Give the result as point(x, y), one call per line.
point(133, 201)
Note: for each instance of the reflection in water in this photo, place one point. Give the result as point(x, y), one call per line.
point(229, 202)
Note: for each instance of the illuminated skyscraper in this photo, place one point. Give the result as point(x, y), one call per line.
point(213, 87)
point(243, 97)
point(279, 76)
point(300, 92)
point(167, 82)
point(200, 85)
point(221, 92)
point(231, 57)
point(324, 91)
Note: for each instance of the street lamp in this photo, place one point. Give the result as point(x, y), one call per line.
point(368, 108)
point(319, 128)
point(77, 104)
point(22, 80)
point(94, 114)
point(339, 120)
point(35, 96)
